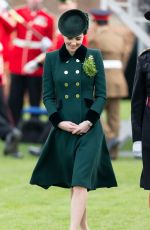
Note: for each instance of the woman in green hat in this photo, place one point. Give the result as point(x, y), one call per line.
point(75, 154)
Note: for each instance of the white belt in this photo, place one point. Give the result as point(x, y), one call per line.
point(1, 47)
point(112, 64)
point(22, 43)
point(1, 60)
point(1, 65)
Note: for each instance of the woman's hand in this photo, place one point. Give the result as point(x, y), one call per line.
point(83, 127)
point(67, 126)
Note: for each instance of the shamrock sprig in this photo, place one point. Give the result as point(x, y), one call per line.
point(89, 66)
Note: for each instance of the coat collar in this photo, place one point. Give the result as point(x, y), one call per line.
point(79, 54)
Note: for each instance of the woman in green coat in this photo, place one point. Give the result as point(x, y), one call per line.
point(75, 154)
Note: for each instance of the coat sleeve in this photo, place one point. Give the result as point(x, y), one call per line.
point(100, 91)
point(138, 101)
point(49, 97)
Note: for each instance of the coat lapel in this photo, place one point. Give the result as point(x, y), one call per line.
point(79, 54)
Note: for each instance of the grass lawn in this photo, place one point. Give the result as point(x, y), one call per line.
point(26, 207)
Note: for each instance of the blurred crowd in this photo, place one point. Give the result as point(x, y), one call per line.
point(26, 34)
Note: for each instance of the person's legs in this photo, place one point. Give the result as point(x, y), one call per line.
point(34, 85)
point(78, 206)
point(105, 122)
point(5, 129)
point(12, 137)
point(3, 106)
point(113, 119)
point(114, 115)
point(16, 94)
point(83, 223)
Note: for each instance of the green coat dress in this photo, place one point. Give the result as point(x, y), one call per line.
point(69, 94)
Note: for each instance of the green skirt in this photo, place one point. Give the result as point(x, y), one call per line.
point(74, 160)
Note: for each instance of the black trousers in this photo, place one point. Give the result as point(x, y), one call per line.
point(5, 126)
point(20, 84)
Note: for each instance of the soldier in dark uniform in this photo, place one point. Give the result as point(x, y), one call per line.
point(75, 154)
point(140, 112)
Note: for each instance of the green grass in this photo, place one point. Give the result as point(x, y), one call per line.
point(125, 109)
point(26, 207)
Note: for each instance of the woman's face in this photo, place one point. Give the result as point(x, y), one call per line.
point(72, 44)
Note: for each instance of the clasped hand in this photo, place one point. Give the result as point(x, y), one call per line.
point(74, 128)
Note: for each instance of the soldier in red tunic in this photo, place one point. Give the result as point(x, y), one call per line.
point(34, 29)
point(8, 133)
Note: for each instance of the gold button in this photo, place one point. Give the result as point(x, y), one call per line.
point(77, 83)
point(66, 84)
point(77, 95)
point(66, 96)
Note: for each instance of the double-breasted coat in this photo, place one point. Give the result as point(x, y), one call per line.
point(140, 113)
point(69, 160)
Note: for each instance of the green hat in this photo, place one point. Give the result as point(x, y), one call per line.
point(73, 23)
point(147, 15)
point(63, 1)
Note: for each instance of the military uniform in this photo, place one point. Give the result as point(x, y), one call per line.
point(3, 57)
point(69, 160)
point(112, 46)
point(4, 120)
point(26, 46)
point(11, 135)
point(140, 113)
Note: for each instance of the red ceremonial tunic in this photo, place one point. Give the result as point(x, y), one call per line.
point(1, 63)
point(4, 49)
point(26, 45)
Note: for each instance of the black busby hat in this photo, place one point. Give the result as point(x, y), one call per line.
point(73, 23)
point(147, 15)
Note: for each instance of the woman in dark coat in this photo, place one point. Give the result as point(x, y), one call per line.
point(140, 111)
point(75, 154)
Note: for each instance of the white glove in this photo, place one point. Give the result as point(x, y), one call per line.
point(137, 149)
point(45, 43)
point(3, 6)
point(30, 67)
